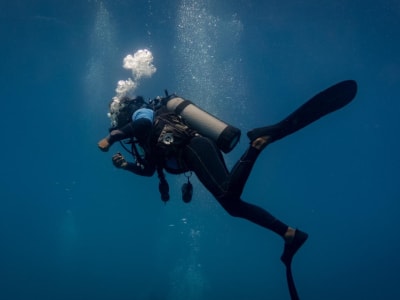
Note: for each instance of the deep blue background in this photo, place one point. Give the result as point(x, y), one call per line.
point(74, 227)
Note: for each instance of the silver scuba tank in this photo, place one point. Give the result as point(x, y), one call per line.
point(224, 135)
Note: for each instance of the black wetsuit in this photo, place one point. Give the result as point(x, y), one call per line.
point(202, 156)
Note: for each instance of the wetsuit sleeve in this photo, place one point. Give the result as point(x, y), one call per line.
point(145, 169)
point(120, 134)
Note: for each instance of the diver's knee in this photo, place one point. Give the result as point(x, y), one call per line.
point(231, 205)
point(233, 210)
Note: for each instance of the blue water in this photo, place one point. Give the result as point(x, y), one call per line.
point(74, 227)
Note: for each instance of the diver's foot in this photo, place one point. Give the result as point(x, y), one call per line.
point(273, 132)
point(294, 239)
point(104, 145)
point(260, 143)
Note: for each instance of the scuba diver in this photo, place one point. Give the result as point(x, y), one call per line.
point(174, 135)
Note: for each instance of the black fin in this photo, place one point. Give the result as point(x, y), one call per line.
point(289, 251)
point(291, 285)
point(327, 101)
point(291, 248)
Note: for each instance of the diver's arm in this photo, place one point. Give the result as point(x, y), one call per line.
point(143, 169)
point(114, 136)
point(140, 169)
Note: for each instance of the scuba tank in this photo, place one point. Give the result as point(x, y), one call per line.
point(224, 135)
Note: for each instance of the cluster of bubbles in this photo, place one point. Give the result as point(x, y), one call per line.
point(141, 66)
point(103, 54)
point(208, 57)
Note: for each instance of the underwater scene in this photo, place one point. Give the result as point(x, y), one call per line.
point(74, 226)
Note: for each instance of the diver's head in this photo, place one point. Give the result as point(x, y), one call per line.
point(121, 110)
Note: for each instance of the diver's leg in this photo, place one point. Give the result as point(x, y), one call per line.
point(242, 169)
point(294, 238)
point(204, 158)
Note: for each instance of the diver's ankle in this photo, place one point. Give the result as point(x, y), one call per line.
point(289, 234)
point(260, 143)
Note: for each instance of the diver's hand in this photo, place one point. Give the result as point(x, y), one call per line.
point(104, 145)
point(119, 161)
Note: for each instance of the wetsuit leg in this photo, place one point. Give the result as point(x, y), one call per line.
point(204, 158)
point(241, 171)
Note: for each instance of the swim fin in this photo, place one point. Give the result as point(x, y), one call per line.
point(292, 288)
point(327, 101)
point(291, 248)
point(289, 251)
